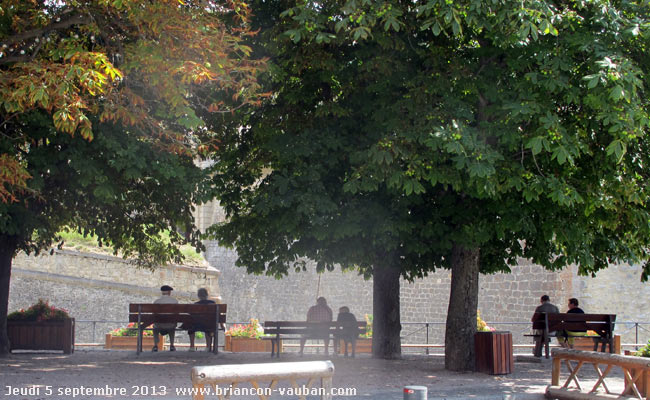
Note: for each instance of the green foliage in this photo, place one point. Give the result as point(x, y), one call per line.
point(41, 311)
point(252, 330)
point(131, 330)
point(79, 242)
point(368, 333)
point(644, 351)
point(117, 189)
point(482, 326)
point(398, 131)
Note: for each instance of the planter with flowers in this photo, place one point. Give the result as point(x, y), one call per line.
point(248, 338)
point(364, 341)
point(41, 327)
point(127, 338)
point(492, 349)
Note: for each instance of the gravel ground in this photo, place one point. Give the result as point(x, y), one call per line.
point(124, 375)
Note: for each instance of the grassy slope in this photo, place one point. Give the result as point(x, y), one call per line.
point(76, 241)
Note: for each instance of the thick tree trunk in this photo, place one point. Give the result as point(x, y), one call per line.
point(461, 316)
point(386, 316)
point(7, 252)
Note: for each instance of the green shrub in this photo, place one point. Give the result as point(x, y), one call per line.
point(41, 311)
point(644, 351)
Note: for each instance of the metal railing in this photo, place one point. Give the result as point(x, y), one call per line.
point(428, 334)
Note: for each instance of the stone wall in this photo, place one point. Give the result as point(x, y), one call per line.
point(97, 287)
point(618, 290)
point(505, 300)
point(502, 297)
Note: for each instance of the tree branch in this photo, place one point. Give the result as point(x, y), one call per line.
point(19, 37)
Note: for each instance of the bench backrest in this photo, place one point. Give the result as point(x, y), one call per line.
point(206, 314)
point(603, 324)
point(297, 327)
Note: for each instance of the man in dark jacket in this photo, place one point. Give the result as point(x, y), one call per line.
point(545, 307)
point(349, 331)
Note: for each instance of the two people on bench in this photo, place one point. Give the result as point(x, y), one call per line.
point(322, 313)
point(565, 338)
point(170, 328)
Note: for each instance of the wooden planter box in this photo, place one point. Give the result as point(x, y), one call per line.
point(493, 352)
point(248, 345)
point(363, 346)
point(42, 335)
point(131, 342)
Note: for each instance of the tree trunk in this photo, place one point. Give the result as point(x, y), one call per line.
point(386, 316)
point(461, 316)
point(7, 252)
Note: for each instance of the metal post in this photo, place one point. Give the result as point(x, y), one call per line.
point(94, 329)
point(427, 326)
point(636, 336)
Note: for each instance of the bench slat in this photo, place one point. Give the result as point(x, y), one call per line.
point(581, 317)
point(305, 324)
point(204, 319)
point(175, 308)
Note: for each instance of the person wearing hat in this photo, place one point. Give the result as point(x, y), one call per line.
point(165, 328)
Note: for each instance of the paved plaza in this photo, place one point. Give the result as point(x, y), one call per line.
point(166, 375)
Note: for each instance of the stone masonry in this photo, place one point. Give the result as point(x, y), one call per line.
point(95, 287)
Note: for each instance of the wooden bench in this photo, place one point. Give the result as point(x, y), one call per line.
point(296, 330)
point(211, 316)
point(601, 324)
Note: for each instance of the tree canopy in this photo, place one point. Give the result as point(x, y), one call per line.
point(136, 63)
point(436, 134)
point(99, 120)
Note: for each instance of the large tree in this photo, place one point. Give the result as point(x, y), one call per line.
point(403, 137)
point(99, 125)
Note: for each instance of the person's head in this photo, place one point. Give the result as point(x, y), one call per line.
point(166, 290)
point(573, 303)
point(344, 309)
point(321, 301)
point(545, 298)
point(202, 293)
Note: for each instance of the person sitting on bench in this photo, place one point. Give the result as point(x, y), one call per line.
point(569, 335)
point(202, 293)
point(164, 329)
point(350, 330)
point(318, 313)
point(545, 307)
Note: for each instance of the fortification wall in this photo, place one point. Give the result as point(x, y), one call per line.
point(98, 287)
point(503, 297)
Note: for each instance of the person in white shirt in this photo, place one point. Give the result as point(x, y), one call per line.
point(165, 329)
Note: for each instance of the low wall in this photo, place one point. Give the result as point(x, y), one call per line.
point(99, 287)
